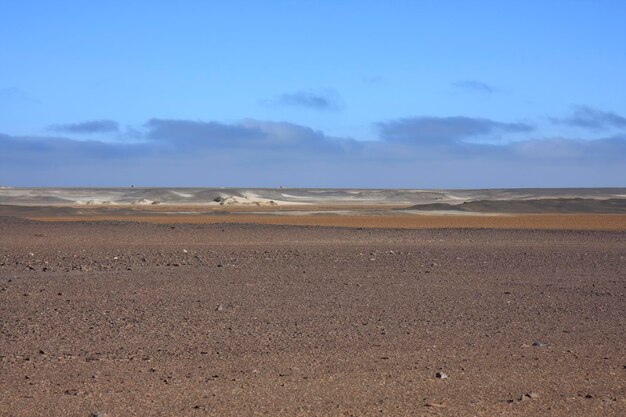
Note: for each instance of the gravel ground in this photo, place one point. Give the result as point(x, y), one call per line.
point(123, 319)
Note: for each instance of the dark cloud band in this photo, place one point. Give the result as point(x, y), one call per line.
point(444, 130)
point(258, 152)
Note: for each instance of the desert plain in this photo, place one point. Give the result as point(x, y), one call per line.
point(202, 302)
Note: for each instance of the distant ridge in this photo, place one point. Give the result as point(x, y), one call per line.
point(540, 205)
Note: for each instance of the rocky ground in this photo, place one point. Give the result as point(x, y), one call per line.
point(123, 319)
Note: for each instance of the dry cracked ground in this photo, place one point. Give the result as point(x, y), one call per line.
point(124, 319)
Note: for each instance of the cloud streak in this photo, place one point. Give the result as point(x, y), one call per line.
point(92, 126)
point(475, 86)
point(15, 96)
point(324, 100)
point(593, 119)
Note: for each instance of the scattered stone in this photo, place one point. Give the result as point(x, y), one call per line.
point(538, 343)
point(441, 375)
point(434, 405)
point(97, 414)
point(588, 396)
point(220, 308)
point(528, 396)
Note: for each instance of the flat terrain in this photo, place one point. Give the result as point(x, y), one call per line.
point(123, 319)
point(354, 217)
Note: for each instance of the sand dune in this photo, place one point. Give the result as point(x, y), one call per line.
point(290, 196)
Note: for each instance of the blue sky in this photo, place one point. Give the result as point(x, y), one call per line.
point(313, 93)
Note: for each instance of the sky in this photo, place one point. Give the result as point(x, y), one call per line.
point(372, 94)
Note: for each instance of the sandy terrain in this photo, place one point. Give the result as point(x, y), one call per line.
point(571, 209)
point(124, 319)
point(538, 222)
point(122, 302)
point(261, 197)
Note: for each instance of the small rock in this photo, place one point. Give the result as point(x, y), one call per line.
point(184, 250)
point(529, 395)
point(220, 308)
point(441, 375)
point(538, 343)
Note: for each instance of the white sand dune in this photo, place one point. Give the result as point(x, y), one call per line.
point(282, 197)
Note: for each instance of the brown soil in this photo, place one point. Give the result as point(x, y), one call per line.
point(125, 319)
point(541, 221)
point(361, 216)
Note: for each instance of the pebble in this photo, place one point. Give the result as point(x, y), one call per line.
point(220, 308)
point(529, 395)
point(538, 343)
point(441, 375)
